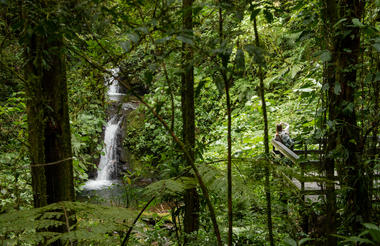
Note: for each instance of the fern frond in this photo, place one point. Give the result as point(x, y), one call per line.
point(93, 223)
point(170, 187)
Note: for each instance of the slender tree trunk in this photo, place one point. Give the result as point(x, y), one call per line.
point(266, 142)
point(329, 11)
point(229, 165)
point(229, 161)
point(227, 84)
point(191, 196)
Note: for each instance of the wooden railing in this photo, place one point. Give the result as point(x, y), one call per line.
point(285, 151)
point(315, 181)
point(304, 163)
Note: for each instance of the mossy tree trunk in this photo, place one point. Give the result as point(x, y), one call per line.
point(47, 111)
point(345, 133)
point(352, 169)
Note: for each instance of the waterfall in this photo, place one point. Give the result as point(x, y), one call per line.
point(110, 154)
point(114, 87)
point(110, 157)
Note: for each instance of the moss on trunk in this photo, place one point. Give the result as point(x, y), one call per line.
point(48, 119)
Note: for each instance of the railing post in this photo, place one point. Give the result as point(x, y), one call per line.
point(305, 222)
point(303, 172)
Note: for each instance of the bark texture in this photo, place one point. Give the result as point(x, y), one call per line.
point(191, 198)
point(48, 118)
point(329, 13)
point(344, 137)
point(352, 170)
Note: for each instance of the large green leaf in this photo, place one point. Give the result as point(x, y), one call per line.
point(254, 13)
point(268, 15)
point(357, 23)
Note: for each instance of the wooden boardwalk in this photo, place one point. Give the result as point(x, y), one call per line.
point(310, 180)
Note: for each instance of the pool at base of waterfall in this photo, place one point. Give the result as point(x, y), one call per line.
point(98, 184)
point(109, 193)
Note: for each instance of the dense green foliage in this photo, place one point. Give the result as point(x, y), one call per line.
point(95, 221)
point(144, 39)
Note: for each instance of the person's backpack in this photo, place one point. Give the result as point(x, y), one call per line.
point(286, 140)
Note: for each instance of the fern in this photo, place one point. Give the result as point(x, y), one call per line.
point(170, 187)
point(93, 223)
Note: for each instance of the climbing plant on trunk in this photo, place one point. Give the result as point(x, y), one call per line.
point(342, 116)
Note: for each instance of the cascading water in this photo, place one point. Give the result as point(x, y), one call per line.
point(106, 166)
point(110, 157)
point(114, 88)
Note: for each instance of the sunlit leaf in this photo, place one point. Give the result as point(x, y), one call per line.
point(304, 240)
point(290, 242)
point(357, 23)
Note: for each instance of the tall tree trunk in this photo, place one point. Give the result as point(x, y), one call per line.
point(48, 118)
point(227, 84)
point(35, 112)
point(266, 141)
point(229, 163)
point(329, 15)
point(191, 196)
point(346, 52)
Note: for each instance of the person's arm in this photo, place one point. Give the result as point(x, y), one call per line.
point(286, 129)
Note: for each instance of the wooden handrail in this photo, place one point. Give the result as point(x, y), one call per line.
point(302, 179)
point(285, 151)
